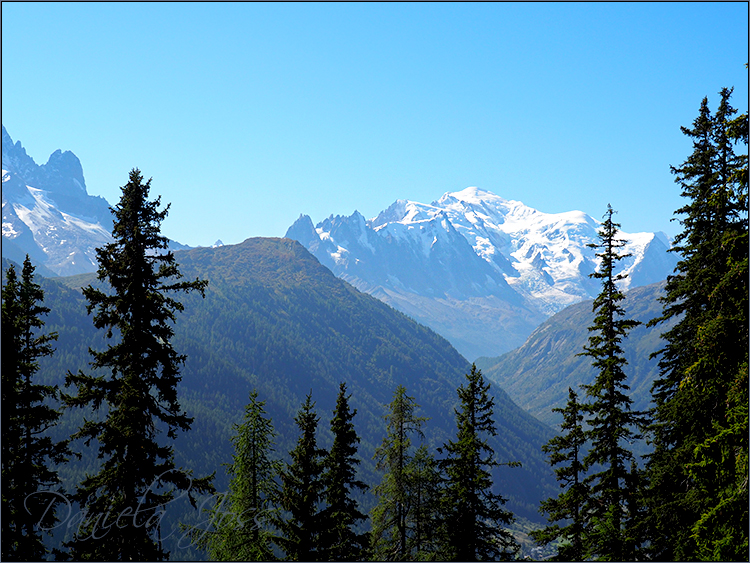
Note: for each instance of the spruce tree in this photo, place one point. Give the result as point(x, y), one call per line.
point(612, 423)
point(474, 514)
point(339, 538)
point(720, 467)
point(301, 491)
point(635, 530)
point(136, 393)
point(567, 450)
point(428, 532)
point(243, 517)
point(393, 518)
point(698, 471)
point(27, 453)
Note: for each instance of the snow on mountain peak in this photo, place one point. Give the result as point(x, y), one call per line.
point(543, 256)
point(47, 212)
point(472, 195)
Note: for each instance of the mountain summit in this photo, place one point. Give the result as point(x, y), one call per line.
point(48, 213)
point(481, 270)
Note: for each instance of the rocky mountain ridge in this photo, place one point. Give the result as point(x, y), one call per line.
point(49, 214)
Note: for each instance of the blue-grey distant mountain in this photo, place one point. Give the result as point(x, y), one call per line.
point(478, 269)
point(48, 213)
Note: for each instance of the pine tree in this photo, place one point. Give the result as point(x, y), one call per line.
point(27, 453)
point(474, 514)
point(720, 467)
point(612, 422)
point(301, 491)
point(567, 449)
point(635, 530)
point(339, 539)
point(243, 517)
point(137, 394)
point(393, 518)
point(428, 541)
point(697, 473)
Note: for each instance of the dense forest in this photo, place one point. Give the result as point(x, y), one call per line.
point(355, 433)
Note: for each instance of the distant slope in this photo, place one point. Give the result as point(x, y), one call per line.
point(537, 375)
point(275, 319)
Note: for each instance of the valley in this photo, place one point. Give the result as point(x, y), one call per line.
point(480, 271)
point(411, 301)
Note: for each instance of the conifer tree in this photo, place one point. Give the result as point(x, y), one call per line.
point(635, 532)
point(567, 449)
point(393, 518)
point(428, 539)
point(339, 538)
point(612, 422)
point(301, 491)
point(27, 453)
point(474, 514)
point(243, 516)
point(720, 467)
point(136, 394)
point(698, 471)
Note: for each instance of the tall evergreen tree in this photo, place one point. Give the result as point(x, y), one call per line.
point(635, 531)
point(697, 473)
point(393, 518)
point(720, 467)
point(27, 453)
point(138, 395)
point(612, 422)
point(474, 513)
point(339, 538)
point(302, 490)
point(428, 541)
point(567, 450)
point(242, 518)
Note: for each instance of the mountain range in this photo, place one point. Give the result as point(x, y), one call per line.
point(478, 269)
point(486, 274)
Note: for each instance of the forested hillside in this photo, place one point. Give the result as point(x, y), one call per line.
point(275, 320)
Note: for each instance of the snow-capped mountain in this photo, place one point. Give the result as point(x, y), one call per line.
point(48, 213)
point(481, 270)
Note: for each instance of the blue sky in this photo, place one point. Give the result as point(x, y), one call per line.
point(247, 114)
